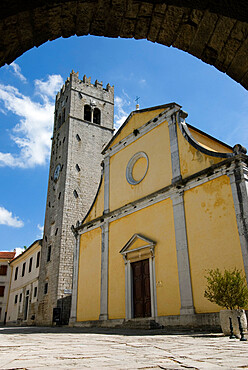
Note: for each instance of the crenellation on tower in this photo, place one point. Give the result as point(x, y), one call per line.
point(83, 124)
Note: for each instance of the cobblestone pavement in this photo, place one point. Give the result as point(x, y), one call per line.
point(63, 348)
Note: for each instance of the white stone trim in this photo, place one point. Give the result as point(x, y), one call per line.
point(130, 166)
point(153, 287)
point(129, 289)
point(104, 272)
point(186, 295)
point(241, 201)
point(153, 199)
point(129, 278)
point(106, 183)
point(175, 160)
point(144, 129)
point(73, 315)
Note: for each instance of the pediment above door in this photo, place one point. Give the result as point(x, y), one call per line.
point(137, 248)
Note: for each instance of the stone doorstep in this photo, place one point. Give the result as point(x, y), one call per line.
point(196, 322)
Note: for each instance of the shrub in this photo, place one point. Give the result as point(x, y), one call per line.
point(228, 290)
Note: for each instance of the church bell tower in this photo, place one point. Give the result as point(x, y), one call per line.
point(83, 124)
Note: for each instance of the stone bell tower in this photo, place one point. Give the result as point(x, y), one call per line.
point(83, 124)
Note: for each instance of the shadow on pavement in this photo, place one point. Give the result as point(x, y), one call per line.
point(104, 331)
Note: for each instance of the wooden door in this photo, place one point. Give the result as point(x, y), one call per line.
point(141, 289)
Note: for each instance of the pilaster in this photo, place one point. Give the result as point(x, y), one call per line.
point(73, 314)
point(175, 160)
point(104, 272)
point(239, 185)
point(187, 305)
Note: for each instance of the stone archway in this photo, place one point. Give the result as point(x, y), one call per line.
point(215, 32)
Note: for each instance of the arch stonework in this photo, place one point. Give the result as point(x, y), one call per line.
point(214, 31)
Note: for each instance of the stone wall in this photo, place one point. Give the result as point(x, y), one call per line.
point(76, 148)
point(213, 31)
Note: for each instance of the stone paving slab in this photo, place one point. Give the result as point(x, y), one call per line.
point(78, 348)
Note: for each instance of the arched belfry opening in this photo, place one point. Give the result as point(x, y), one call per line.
point(97, 116)
point(87, 113)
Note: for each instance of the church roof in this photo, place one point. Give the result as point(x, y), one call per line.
point(169, 105)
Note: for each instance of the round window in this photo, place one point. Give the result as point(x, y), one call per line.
point(137, 168)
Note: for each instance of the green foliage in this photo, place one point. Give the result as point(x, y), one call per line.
point(228, 290)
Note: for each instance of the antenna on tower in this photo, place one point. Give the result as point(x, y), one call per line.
point(137, 102)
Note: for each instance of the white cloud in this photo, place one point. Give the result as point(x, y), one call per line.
point(142, 82)
point(17, 72)
point(122, 109)
point(19, 251)
point(33, 132)
point(6, 218)
point(41, 229)
point(49, 87)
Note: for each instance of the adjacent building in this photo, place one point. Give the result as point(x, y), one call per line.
point(5, 275)
point(172, 203)
point(23, 295)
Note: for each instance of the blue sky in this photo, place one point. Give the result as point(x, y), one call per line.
point(157, 74)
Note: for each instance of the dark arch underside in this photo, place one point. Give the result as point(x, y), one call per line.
point(214, 31)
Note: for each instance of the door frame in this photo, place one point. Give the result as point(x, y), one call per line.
point(134, 255)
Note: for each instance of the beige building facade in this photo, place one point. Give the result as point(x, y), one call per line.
point(23, 295)
point(5, 275)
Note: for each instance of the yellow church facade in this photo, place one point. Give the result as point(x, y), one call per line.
point(171, 204)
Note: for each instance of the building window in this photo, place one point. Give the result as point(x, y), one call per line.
point(87, 113)
point(49, 253)
point(78, 138)
point(3, 270)
point(35, 292)
point(16, 273)
point(20, 298)
point(30, 264)
point(45, 288)
point(77, 168)
point(97, 116)
point(75, 193)
point(23, 268)
point(63, 115)
point(59, 121)
point(38, 260)
point(2, 287)
point(16, 298)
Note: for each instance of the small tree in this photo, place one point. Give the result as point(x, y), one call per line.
point(228, 290)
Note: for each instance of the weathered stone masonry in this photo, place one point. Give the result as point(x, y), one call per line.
point(214, 31)
point(74, 176)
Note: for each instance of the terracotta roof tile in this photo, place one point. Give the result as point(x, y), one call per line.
point(7, 255)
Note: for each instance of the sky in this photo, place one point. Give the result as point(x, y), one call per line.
point(137, 68)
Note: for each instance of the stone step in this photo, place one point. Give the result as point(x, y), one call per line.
point(141, 323)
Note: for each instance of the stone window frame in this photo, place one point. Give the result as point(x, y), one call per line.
point(23, 268)
point(16, 273)
point(97, 116)
point(49, 251)
point(134, 255)
point(38, 260)
point(3, 270)
point(30, 264)
point(131, 164)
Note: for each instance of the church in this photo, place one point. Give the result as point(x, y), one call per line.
point(172, 203)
